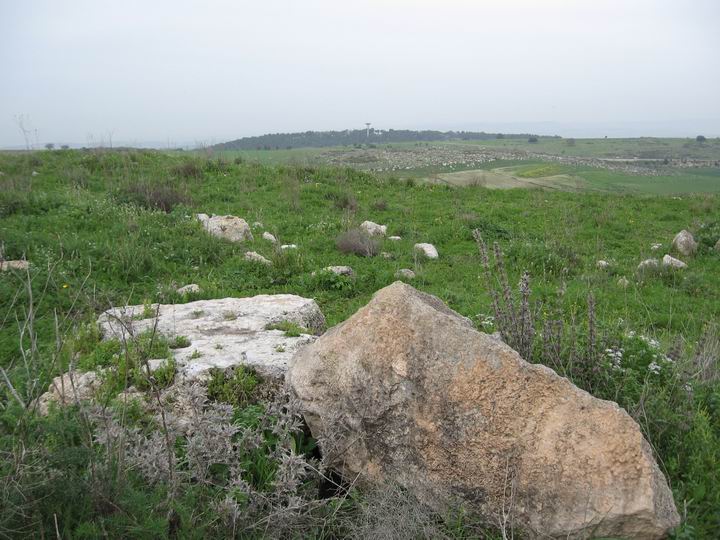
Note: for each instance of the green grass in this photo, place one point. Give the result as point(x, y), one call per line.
point(91, 248)
point(638, 147)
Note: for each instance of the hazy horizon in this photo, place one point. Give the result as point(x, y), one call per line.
point(182, 73)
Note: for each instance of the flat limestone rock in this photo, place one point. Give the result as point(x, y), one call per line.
point(407, 391)
point(224, 333)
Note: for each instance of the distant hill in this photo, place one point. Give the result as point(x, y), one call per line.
point(349, 137)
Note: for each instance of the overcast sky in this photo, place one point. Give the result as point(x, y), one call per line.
point(180, 72)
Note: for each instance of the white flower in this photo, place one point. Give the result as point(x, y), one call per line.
point(654, 367)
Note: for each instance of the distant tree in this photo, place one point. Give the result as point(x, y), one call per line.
point(533, 139)
point(570, 142)
point(700, 138)
point(64, 147)
point(50, 146)
point(500, 136)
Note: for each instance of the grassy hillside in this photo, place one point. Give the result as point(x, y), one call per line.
point(110, 228)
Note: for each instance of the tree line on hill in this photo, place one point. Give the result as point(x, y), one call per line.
point(350, 137)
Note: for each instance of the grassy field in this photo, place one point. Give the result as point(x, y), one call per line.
point(639, 147)
point(452, 163)
point(112, 228)
point(549, 175)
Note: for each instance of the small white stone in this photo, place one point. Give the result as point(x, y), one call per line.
point(405, 273)
point(192, 288)
point(386, 255)
point(602, 264)
point(428, 250)
point(338, 270)
point(655, 246)
point(648, 263)
point(394, 238)
point(256, 257)
point(672, 262)
point(269, 237)
point(373, 229)
point(288, 246)
point(623, 282)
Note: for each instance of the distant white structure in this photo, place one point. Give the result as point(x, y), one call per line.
point(367, 129)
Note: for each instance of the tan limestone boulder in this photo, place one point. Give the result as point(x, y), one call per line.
point(407, 392)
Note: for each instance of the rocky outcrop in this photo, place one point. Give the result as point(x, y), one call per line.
point(230, 228)
point(223, 333)
point(406, 391)
point(684, 243)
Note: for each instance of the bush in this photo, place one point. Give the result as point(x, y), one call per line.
point(343, 200)
point(358, 242)
point(154, 197)
point(188, 170)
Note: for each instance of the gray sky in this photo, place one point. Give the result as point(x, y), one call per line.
point(209, 71)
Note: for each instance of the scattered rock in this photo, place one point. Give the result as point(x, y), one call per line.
point(269, 237)
point(684, 243)
point(35, 173)
point(405, 273)
point(288, 246)
point(224, 333)
point(373, 229)
point(655, 247)
point(230, 228)
point(648, 264)
point(193, 288)
point(407, 391)
point(602, 265)
point(386, 255)
point(672, 262)
point(252, 256)
point(70, 388)
point(257, 225)
point(14, 265)
point(717, 245)
point(623, 282)
point(428, 250)
point(394, 238)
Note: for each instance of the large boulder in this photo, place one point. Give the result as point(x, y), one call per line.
point(230, 228)
point(684, 243)
point(223, 333)
point(406, 391)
